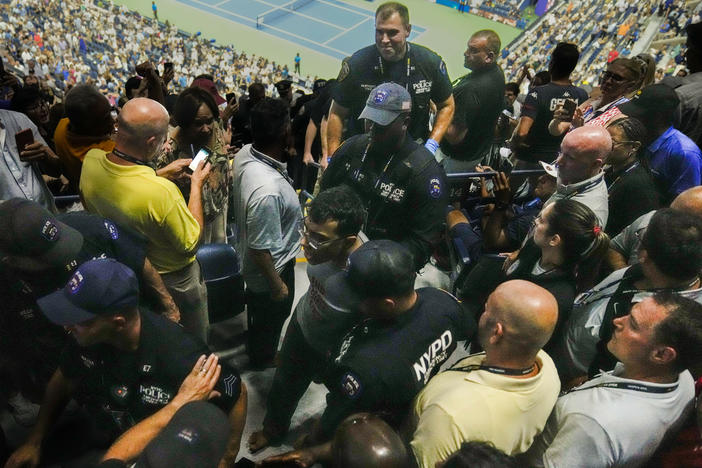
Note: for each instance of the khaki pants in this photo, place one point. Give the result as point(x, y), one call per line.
point(190, 295)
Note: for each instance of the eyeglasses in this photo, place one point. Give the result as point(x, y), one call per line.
point(623, 142)
point(312, 243)
point(613, 76)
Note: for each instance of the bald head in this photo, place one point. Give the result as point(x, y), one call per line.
point(582, 152)
point(365, 441)
point(142, 123)
point(689, 202)
point(527, 313)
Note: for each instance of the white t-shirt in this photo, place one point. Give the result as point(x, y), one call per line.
point(594, 426)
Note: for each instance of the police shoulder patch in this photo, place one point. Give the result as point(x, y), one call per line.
point(351, 385)
point(442, 67)
point(435, 188)
point(345, 70)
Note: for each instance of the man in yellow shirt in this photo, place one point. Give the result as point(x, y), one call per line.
point(122, 185)
point(502, 396)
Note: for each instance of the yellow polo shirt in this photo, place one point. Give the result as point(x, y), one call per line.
point(457, 407)
point(135, 196)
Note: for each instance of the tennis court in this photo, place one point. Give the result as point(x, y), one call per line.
point(332, 27)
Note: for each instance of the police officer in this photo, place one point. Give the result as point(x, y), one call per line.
point(405, 336)
point(419, 70)
point(38, 253)
point(124, 365)
point(399, 181)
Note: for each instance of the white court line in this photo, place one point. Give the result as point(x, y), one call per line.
point(295, 12)
point(220, 3)
point(370, 13)
point(269, 26)
point(345, 31)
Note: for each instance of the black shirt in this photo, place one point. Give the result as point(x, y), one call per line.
point(479, 101)
point(25, 333)
point(406, 202)
point(632, 193)
point(381, 366)
point(365, 69)
point(125, 387)
point(539, 105)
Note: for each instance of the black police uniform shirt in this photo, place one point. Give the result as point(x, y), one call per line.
point(381, 366)
point(25, 333)
point(479, 100)
point(403, 192)
point(421, 71)
point(121, 388)
point(539, 105)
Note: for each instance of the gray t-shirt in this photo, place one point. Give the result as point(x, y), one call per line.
point(267, 213)
point(628, 241)
point(590, 192)
point(322, 322)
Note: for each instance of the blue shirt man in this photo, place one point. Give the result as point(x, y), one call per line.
point(676, 160)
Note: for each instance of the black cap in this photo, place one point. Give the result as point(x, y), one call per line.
point(197, 436)
point(377, 269)
point(283, 86)
point(29, 230)
point(650, 100)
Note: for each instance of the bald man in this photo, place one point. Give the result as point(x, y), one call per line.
point(363, 440)
point(123, 186)
point(579, 169)
point(624, 248)
point(503, 395)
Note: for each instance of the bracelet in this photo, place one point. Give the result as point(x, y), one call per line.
point(431, 145)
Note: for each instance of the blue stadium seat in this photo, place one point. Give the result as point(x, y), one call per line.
point(225, 285)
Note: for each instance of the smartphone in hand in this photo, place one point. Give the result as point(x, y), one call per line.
point(569, 107)
point(202, 155)
point(24, 138)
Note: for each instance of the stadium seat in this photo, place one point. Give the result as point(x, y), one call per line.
point(225, 285)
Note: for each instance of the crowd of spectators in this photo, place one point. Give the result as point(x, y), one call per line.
point(575, 269)
point(55, 41)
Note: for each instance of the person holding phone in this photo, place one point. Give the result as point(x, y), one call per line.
point(199, 128)
point(617, 83)
point(25, 158)
point(123, 186)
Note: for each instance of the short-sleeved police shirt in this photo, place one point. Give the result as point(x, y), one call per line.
point(539, 105)
point(24, 330)
point(404, 192)
point(131, 386)
point(479, 101)
point(422, 72)
point(382, 366)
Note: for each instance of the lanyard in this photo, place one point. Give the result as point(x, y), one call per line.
point(357, 172)
point(584, 298)
point(264, 159)
point(382, 69)
point(596, 112)
point(495, 369)
point(636, 387)
point(629, 169)
point(131, 159)
point(584, 188)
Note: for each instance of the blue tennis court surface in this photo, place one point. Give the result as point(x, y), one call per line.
point(331, 27)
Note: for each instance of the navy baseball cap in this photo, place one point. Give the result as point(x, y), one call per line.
point(29, 230)
point(196, 436)
point(97, 287)
point(385, 103)
point(377, 269)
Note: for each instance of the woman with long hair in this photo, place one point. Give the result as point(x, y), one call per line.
point(562, 255)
